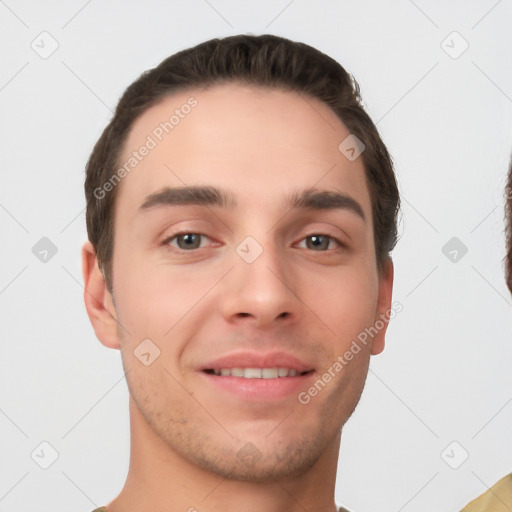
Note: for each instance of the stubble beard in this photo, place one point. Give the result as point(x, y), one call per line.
point(203, 442)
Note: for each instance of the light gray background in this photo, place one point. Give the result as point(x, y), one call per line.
point(445, 375)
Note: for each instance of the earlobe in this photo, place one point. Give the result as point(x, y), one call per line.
point(383, 306)
point(98, 300)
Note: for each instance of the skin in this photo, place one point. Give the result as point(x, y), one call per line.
point(197, 304)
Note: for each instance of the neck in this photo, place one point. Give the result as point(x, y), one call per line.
point(160, 480)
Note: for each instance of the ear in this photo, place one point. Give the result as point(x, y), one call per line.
point(98, 300)
point(383, 305)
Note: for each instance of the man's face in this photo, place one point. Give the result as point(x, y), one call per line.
point(253, 284)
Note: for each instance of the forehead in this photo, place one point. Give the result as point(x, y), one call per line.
point(257, 141)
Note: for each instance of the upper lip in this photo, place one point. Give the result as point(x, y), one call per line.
point(257, 360)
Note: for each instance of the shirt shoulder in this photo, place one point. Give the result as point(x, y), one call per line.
point(103, 509)
point(497, 499)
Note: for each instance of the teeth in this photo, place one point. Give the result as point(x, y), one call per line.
point(256, 373)
point(252, 373)
point(269, 373)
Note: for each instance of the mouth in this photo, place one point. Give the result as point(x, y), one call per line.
point(256, 373)
point(260, 377)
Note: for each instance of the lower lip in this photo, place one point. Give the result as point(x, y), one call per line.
point(261, 389)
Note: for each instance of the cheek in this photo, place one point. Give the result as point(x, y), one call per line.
point(345, 302)
point(154, 300)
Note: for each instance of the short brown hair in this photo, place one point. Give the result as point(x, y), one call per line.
point(265, 60)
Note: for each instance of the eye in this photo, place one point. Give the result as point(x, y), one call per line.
point(189, 241)
point(319, 242)
point(185, 241)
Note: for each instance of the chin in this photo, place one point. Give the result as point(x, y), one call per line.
point(248, 464)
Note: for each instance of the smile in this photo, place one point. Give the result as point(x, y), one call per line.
point(256, 373)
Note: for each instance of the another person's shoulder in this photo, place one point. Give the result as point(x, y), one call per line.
point(497, 499)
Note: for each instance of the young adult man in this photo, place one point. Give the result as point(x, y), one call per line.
point(241, 210)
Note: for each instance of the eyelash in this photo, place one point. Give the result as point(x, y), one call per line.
point(168, 240)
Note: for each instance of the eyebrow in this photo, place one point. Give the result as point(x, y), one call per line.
point(310, 198)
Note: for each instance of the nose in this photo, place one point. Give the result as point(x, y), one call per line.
point(260, 293)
